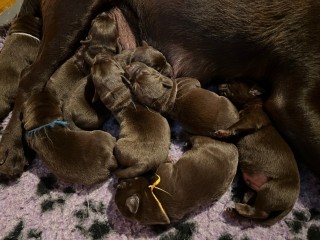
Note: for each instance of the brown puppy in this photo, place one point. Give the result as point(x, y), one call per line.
point(199, 111)
point(144, 138)
point(84, 157)
point(148, 55)
point(64, 24)
point(80, 111)
point(271, 41)
point(199, 177)
point(71, 83)
point(20, 50)
point(266, 161)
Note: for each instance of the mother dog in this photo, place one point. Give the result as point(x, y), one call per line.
point(274, 42)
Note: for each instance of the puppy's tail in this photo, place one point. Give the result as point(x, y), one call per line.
point(276, 217)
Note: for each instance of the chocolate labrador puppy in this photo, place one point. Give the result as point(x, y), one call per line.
point(147, 55)
point(176, 97)
point(71, 81)
point(62, 31)
point(273, 42)
point(20, 50)
point(267, 163)
point(84, 157)
point(199, 177)
point(144, 138)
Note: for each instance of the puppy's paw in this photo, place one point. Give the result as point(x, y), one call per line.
point(222, 134)
point(12, 160)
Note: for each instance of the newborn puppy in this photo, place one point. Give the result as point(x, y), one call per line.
point(23, 35)
point(80, 111)
point(84, 157)
point(102, 37)
point(144, 138)
point(147, 55)
point(201, 176)
point(199, 111)
point(266, 161)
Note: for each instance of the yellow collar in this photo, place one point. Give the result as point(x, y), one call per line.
point(154, 186)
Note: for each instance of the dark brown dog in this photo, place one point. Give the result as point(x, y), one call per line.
point(144, 138)
point(204, 116)
point(71, 83)
point(84, 157)
point(61, 34)
point(266, 161)
point(199, 177)
point(274, 42)
point(20, 50)
point(80, 111)
point(147, 55)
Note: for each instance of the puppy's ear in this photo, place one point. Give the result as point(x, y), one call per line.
point(132, 203)
point(167, 82)
point(145, 44)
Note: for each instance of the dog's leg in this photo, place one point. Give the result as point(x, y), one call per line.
point(19, 51)
point(295, 109)
point(62, 32)
point(250, 212)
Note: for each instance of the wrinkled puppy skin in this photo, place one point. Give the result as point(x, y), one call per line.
point(202, 175)
point(144, 137)
point(266, 161)
point(24, 35)
point(71, 81)
point(199, 111)
point(83, 157)
point(147, 55)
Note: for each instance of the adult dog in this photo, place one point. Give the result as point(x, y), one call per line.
point(275, 42)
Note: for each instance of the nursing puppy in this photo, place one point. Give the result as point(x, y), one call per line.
point(144, 137)
point(64, 25)
point(20, 50)
point(84, 157)
point(199, 111)
point(147, 55)
point(80, 111)
point(71, 81)
point(199, 177)
point(266, 161)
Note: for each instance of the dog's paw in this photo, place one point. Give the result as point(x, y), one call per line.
point(12, 161)
point(222, 134)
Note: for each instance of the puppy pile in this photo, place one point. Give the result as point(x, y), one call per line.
point(136, 86)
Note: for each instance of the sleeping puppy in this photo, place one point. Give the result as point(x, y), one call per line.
point(84, 157)
point(266, 161)
point(70, 80)
point(144, 137)
point(200, 112)
point(19, 51)
point(147, 55)
point(79, 110)
point(199, 177)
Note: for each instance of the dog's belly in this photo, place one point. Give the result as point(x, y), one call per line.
point(206, 38)
point(254, 181)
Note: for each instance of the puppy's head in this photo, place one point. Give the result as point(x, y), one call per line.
point(240, 92)
point(135, 201)
point(153, 58)
point(148, 85)
point(41, 108)
point(103, 37)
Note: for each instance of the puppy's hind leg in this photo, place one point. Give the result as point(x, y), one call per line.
point(248, 211)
